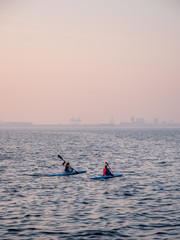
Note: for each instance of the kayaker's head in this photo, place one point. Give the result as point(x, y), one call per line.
point(67, 164)
point(105, 166)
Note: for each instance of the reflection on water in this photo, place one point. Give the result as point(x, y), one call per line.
point(142, 204)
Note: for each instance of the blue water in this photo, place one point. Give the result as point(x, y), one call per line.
point(142, 204)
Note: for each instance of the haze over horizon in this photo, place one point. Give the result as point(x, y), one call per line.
point(93, 60)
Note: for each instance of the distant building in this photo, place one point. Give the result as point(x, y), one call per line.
point(16, 124)
point(74, 121)
point(111, 121)
point(155, 122)
point(140, 122)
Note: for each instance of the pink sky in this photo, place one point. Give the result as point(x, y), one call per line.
point(93, 60)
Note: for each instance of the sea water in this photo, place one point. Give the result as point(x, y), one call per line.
point(142, 204)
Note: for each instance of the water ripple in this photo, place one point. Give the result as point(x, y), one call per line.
point(143, 204)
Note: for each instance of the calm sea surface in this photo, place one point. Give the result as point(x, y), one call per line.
point(142, 204)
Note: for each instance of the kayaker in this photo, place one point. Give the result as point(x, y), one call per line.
point(68, 168)
point(107, 171)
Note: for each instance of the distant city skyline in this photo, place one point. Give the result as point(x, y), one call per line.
point(78, 120)
point(133, 122)
point(89, 61)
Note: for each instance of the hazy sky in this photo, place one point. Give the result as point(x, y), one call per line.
point(89, 59)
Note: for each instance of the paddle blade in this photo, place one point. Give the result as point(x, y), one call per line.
point(60, 157)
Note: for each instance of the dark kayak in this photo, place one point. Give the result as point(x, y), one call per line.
point(66, 174)
point(107, 176)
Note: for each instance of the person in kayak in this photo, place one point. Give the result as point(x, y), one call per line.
point(68, 168)
point(107, 171)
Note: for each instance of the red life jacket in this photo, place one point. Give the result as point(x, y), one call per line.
point(107, 172)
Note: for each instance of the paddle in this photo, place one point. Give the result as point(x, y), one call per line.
point(109, 168)
point(59, 156)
